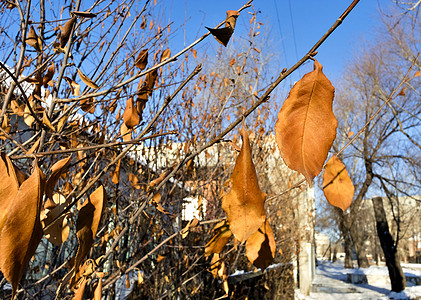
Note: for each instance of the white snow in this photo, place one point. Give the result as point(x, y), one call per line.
point(330, 283)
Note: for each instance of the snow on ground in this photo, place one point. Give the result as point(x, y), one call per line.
point(330, 284)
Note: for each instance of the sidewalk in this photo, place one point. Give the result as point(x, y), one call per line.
point(330, 284)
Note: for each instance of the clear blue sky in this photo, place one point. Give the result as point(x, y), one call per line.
point(293, 25)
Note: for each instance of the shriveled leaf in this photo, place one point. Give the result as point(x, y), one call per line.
point(126, 133)
point(337, 186)
point(34, 147)
point(306, 126)
point(215, 265)
point(139, 277)
point(80, 290)
point(142, 59)
point(75, 88)
point(5, 126)
point(116, 174)
point(32, 39)
point(58, 229)
point(221, 236)
point(261, 246)
point(161, 177)
point(46, 121)
point(87, 225)
point(16, 108)
point(98, 289)
point(22, 230)
point(192, 223)
point(88, 105)
point(57, 170)
point(165, 55)
point(50, 74)
point(9, 187)
point(29, 119)
point(232, 16)
point(244, 204)
point(84, 14)
point(65, 32)
point(130, 116)
point(87, 80)
point(222, 35)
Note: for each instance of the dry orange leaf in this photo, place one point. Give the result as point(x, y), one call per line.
point(160, 258)
point(50, 73)
point(34, 147)
point(80, 290)
point(116, 173)
point(88, 105)
point(57, 170)
point(74, 87)
point(8, 188)
point(126, 133)
point(65, 32)
point(142, 59)
point(337, 186)
point(32, 39)
point(306, 126)
point(28, 118)
point(98, 289)
point(22, 230)
point(244, 204)
point(46, 121)
point(165, 55)
point(221, 236)
point(87, 225)
point(130, 116)
point(58, 229)
point(16, 108)
point(223, 35)
point(87, 80)
point(261, 246)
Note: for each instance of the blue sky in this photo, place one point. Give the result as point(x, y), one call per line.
point(292, 25)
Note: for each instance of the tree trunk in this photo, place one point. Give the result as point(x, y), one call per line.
point(358, 242)
point(391, 255)
point(348, 251)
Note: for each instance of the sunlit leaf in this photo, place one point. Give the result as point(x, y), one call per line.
point(221, 236)
point(337, 186)
point(130, 115)
point(22, 230)
point(46, 121)
point(66, 30)
point(34, 147)
point(98, 289)
point(165, 55)
point(87, 226)
point(75, 88)
point(87, 80)
point(116, 173)
point(261, 246)
point(9, 186)
point(32, 39)
point(58, 229)
point(244, 204)
point(57, 170)
point(50, 74)
point(306, 127)
point(142, 59)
